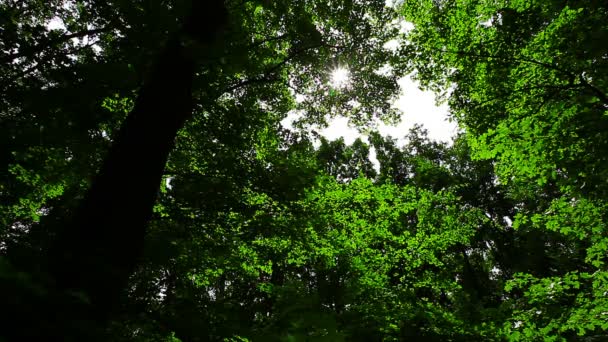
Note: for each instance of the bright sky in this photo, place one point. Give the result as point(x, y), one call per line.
point(417, 107)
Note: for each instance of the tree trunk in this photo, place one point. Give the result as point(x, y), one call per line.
point(96, 253)
point(98, 250)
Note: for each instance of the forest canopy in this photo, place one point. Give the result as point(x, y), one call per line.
point(149, 192)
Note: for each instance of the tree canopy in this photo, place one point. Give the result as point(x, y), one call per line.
point(150, 192)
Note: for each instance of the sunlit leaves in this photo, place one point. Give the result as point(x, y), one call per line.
point(518, 77)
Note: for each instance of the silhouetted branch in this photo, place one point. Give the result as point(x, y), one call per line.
point(265, 75)
point(39, 47)
point(598, 92)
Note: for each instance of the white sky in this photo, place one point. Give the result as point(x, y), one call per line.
point(417, 107)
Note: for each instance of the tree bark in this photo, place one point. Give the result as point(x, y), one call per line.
point(93, 254)
point(98, 250)
point(96, 253)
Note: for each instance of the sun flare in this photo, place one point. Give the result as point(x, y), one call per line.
point(340, 77)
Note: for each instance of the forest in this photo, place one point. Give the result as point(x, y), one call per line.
point(150, 192)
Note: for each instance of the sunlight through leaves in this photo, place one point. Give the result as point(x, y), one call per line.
point(340, 77)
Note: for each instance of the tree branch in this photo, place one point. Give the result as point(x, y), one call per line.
point(64, 38)
point(265, 75)
point(260, 42)
point(598, 92)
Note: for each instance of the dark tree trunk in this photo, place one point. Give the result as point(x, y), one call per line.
point(95, 253)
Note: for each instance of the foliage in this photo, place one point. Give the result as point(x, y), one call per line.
point(527, 81)
point(258, 235)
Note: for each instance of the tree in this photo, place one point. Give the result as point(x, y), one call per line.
point(96, 252)
point(526, 80)
point(207, 220)
point(117, 206)
point(346, 162)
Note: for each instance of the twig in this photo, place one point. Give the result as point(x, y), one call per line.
point(64, 38)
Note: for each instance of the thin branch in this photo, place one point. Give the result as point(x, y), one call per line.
point(263, 41)
point(248, 82)
point(265, 75)
point(64, 38)
point(555, 88)
point(43, 61)
point(598, 92)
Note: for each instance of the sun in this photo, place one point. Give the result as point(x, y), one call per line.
point(340, 77)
